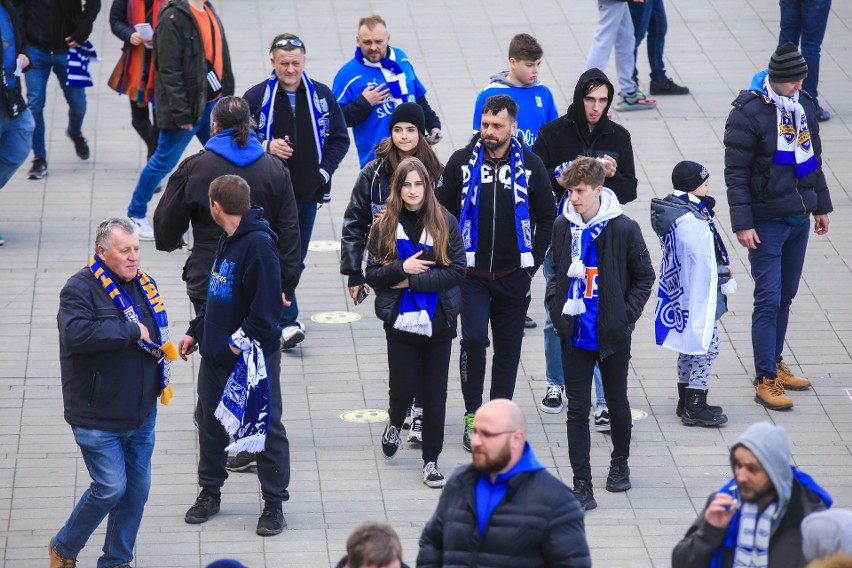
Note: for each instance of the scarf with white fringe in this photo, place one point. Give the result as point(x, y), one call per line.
point(794, 139)
point(244, 408)
point(416, 309)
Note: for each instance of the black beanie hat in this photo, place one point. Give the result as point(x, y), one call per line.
point(787, 65)
point(688, 176)
point(411, 113)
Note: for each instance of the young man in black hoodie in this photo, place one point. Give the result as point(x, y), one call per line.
point(501, 194)
point(585, 130)
point(244, 300)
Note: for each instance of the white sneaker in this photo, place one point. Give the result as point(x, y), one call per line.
point(431, 476)
point(291, 335)
point(143, 228)
point(409, 418)
point(415, 435)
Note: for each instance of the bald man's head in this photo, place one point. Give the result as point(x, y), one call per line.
point(506, 412)
point(499, 435)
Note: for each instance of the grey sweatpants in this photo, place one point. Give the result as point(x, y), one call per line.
point(615, 29)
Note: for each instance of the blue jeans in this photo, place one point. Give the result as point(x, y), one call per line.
point(552, 347)
point(119, 464)
point(307, 216)
point(170, 146)
point(776, 266)
point(805, 20)
point(15, 140)
point(42, 64)
point(650, 18)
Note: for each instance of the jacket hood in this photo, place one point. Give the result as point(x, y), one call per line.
point(528, 462)
point(827, 532)
point(610, 209)
point(771, 446)
point(757, 80)
point(577, 111)
point(501, 78)
point(665, 211)
point(253, 221)
point(223, 144)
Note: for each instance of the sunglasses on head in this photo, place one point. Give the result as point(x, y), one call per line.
point(291, 41)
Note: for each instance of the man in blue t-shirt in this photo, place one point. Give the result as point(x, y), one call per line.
point(535, 101)
point(376, 80)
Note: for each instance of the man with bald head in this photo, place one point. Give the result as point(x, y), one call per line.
point(504, 509)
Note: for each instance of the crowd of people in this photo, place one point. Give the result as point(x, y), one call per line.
point(438, 245)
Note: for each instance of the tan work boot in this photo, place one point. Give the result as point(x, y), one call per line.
point(791, 381)
point(59, 561)
point(770, 393)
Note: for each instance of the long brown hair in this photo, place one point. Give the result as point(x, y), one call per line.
point(382, 240)
point(423, 152)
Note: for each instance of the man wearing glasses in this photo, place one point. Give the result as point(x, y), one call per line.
point(504, 509)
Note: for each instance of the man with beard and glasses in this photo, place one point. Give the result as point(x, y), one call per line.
point(504, 509)
point(755, 519)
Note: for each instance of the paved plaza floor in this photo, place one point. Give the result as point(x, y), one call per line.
point(339, 477)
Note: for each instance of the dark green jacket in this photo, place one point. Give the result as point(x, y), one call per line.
point(180, 81)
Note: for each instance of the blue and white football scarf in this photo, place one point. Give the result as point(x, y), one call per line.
point(78, 65)
point(471, 189)
point(416, 309)
point(393, 73)
point(319, 112)
point(794, 138)
point(164, 350)
point(244, 408)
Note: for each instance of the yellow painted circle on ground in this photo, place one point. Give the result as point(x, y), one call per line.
point(364, 416)
point(335, 317)
point(638, 414)
point(324, 246)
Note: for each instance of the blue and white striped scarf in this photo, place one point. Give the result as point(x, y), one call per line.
point(78, 65)
point(393, 73)
point(319, 113)
point(416, 309)
point(795, 147)
point(471, 189)
point(244, 408)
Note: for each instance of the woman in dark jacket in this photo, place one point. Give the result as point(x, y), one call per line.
point(416, 265)
point(135, 77)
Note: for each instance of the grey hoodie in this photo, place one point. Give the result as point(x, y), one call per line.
point(827, 532)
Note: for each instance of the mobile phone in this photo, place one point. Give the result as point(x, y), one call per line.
point(363, 292)
point(428, 254)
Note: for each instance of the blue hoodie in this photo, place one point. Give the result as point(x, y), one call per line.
point(757, 81)
point(489, 495)
point(223, 144)
point(535, 105)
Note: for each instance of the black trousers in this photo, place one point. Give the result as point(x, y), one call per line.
point(504, 302)
point(424, 364)
point(273, 464)
point(579, 367)
point(145, 125)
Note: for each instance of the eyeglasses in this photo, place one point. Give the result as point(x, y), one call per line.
point(290, 41)
point(489, 435)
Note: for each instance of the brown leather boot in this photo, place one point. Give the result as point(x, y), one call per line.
point(770, 393)
point(791, 381)
point(59, 561)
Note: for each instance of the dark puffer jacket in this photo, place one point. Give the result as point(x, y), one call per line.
point(625, 279)
point(538, 523)
point(445, 279)
point(569, 137)
point(759, 189)
point(180, 81)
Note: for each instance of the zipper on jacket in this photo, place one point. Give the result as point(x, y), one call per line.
point(93, 387)
point(493, 223)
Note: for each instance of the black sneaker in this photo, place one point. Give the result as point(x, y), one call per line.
point(602, 423)
point(468, 430)
point(618, 479)
point(271, 521)
point(585, 494)
point(431, 476)
point(668, 87)
point(529, 323)
point(206, 505)
point(81, 145)
point(552, 401)
point(390, 441)
point(822, 114)
point(39, 169)
point(241, 462)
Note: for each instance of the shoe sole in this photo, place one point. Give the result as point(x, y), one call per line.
point(415, 440)
point(200, 520)
point(530, 325)
point(466, 448)
point(606, 428)
point(590, 505)
point(551, 409)
point(270, 532)
point(696, 422)
point(798, 389)
point(37, 177)
point(765, 404)
point(613, 489)
point(435, 484)
point(631, 108)
point(297, 338)
point(145, 238)
point(242, 468)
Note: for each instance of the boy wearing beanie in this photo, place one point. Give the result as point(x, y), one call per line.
point(695, 275)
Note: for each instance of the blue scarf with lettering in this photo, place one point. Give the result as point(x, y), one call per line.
point(163, 350)
point(471, 189)
point(244, 408)
point(393, 73)
point(416, 309)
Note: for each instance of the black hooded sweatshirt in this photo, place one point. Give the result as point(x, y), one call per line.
point(568, 137)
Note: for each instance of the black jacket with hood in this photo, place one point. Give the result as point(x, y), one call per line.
point(48, 22)
point(498, 243)
point(186, 201)
point(244, 292)
point(568, 137)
